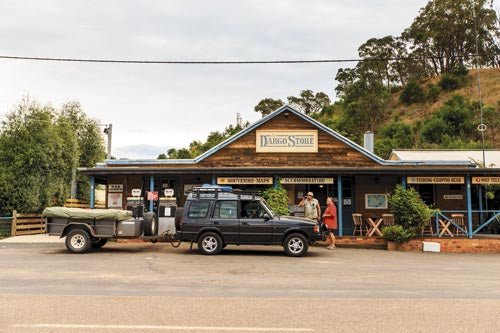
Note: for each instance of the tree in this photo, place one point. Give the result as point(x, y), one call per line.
point(444, 33)
point(40, 149)
point(308, 102)
point(268, 105)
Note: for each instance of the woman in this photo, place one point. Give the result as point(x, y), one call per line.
point(330, 219)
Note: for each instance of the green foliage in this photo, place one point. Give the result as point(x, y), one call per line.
point(40, 149)
point(433, 93)
point(308, 102)
point(398, 234)
point(412, 93)
point(277, 198)
point(395, 135)
point(450, 81)
point(408, 208)
point(268, 105)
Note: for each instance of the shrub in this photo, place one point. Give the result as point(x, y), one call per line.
point(277, 198)
point(433, 92)
point(412, 93)
point(450, 81)
point(397, 233)
point(408, 208)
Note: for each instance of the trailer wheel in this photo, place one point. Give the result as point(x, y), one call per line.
point(97, 243)
point(150, 224)
point(78, 241)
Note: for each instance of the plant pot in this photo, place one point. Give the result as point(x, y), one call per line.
point(392, 246)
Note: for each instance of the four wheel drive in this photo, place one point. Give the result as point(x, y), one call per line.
point(91, 228)
point(214, 219)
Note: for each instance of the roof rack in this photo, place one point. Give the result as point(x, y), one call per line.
point(216, 190)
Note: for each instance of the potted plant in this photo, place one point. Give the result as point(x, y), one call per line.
point(396, 235)
point(410, 215)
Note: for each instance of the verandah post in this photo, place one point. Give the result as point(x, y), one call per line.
point(403, 182)
point(92, 192)
point(151, 189)
point(339, 205)
point(469, 206)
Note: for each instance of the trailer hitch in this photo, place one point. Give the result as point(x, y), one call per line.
point(171, 238)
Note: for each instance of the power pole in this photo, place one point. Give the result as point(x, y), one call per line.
point(109, 132)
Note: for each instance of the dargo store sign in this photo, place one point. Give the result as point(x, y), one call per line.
point(287, 141)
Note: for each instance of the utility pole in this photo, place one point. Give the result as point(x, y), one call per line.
point(109, 132)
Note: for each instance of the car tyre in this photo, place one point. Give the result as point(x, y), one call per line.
point(78, 241)
point(210, 243)
point(97, 243)
point(150, 224)
point(295, 245)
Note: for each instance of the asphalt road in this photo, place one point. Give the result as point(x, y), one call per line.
point(141, 287)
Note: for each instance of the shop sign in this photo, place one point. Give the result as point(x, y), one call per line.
point(153, 195)
point(245, 180)
point(453, 197)
point(115, 187)
point(168, 192)
point(292, 180)
point(485, 180)
point(305, 141)
point(115, 200)
point(435, 180)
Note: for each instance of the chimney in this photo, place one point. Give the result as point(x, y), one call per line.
point(369, 141)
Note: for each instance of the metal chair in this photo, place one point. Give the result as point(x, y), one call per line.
point(427, 228)
point(460, 221)
point(357, 220)
point(387, 220)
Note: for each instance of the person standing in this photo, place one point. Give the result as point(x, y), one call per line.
point(330, 219)
point(312, 210)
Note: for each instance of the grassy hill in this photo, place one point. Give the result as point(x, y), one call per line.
point(490, 91)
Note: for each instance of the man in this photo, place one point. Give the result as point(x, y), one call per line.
point(312, 210)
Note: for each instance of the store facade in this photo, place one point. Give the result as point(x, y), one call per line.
point(292, 149)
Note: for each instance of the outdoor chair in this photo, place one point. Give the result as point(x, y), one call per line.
point(357, 220)
point(460, 221)
point(388, 220)
point(427, 228)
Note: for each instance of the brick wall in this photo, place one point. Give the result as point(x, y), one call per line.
point(456, 245)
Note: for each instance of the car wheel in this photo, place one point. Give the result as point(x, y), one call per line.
point(97, 243)
point(295, 245)
point(78, 241)
point(210, 243)
point(150, 224)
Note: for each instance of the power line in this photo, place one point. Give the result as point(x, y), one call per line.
point(237, 62)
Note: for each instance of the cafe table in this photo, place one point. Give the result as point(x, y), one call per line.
point(374, 225)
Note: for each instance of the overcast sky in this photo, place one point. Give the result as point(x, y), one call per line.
point(153, 107)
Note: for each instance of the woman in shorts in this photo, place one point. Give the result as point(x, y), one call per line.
point(330, 219)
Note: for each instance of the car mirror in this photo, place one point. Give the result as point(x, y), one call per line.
point(266, 217)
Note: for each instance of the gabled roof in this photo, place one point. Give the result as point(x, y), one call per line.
point(291, 109)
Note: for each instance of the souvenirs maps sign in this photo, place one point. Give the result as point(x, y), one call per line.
point(245, 180)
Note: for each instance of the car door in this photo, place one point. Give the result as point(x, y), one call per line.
point(225, 218)
point(255, 225)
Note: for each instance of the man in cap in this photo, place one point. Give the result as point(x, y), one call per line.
point(312, 210)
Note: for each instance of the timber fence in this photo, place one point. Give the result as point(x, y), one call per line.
point(27, 224)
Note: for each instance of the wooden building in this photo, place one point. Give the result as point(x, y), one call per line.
point(303, 155)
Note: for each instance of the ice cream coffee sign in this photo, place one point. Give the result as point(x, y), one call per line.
point(287, 141)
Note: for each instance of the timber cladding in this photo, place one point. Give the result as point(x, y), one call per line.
point(331, 152)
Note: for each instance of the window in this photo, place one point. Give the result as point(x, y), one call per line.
point(226, 210)
point(198, 209)
point(252, 210)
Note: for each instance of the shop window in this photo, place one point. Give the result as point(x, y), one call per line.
point(252, 209)
point(455, 187)
point(226, 210)
point(198, 209)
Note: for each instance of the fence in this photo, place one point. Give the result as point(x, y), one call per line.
point(76, 203)
point(27, 224)
point(5, 226)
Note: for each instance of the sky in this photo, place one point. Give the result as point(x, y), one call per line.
point(156, 107)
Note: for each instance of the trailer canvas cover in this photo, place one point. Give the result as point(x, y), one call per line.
point(80, 213)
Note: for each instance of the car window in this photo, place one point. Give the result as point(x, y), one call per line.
point(226, 209)
point(198, 209)
point(251, 209)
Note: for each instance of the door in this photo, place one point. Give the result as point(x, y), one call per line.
point(254, 227)
point(225, 218)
